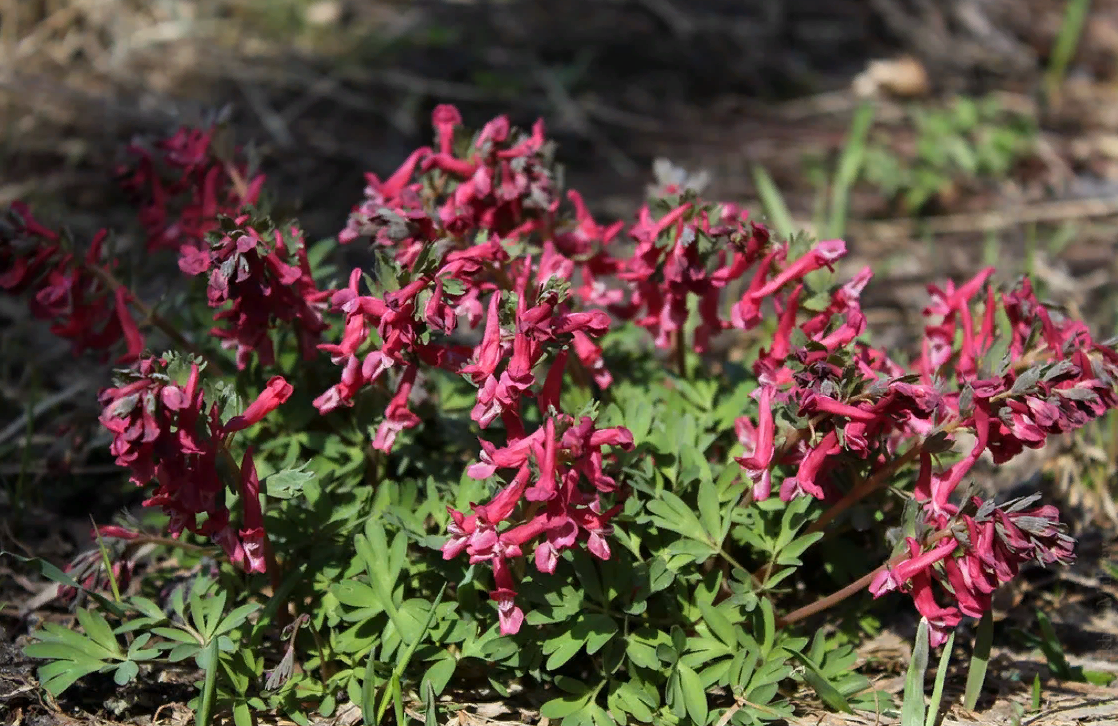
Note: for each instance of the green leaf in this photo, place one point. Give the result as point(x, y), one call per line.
point(147, 608)
point(176, 634)
point(599, 628)
point(562, 649)
point(1053, 651)
point(242, 716)
point(941, 678)
point(184, 651)
point(638, 418)
point(719, 624)
point(675, 697)
point(913, 709)
point(61, 651)
point(98, 630)
point(980, 659)
point(673, 514)
point(587, 574)
point(642, 654)
point(438, 675)
point(368, 689)
point(694, 695)
point(709, 510)
point(78, 642)
point(635, 700)
point(125, 672)
point(1097, 678)
point(565, 705)
point(235, 618)
point(819, 683)
point(58, 676)
point(288, 483)
point(356, 595)
point(768, 618)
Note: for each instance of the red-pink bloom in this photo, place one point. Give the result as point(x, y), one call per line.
point(825, 254)
point(256, 279)
point(253, 537)
point(986, 546)
point(804, 482)
point(113, 531)
point(166, 432)
point(549, 465)
point(445, 118)
point(397, 416)
point(275, 393)
point(71, 292)
point(758, 444)
point(182, 187)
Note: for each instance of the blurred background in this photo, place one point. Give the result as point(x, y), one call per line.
point(933, 135)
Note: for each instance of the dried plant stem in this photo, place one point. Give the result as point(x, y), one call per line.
point(862, 582)
point(240, 186)
point(680, 347)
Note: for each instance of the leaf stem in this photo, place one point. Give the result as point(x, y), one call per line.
point(152, 318)
point(680, 347)
point(205, 707)
point(839, 595)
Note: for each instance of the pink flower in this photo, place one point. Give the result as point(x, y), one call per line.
point(397, 416)
point(445, 119)
point(810, 467)
point(182, 187)
point(758, 443)
point(274, 394)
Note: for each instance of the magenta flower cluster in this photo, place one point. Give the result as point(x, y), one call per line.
point(182, 186)
point(1049, 377)
point(163, 431)
point(258, 275)
point(66, 288)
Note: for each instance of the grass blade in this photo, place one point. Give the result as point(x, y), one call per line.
point(430, 710)
point(941, 677)
point(912, 711)
point(393, 691)
point(976, 674)
point(773, 202)
point(1063, 50)
point(1053, 651)
point(850, 164)
point(368, 690)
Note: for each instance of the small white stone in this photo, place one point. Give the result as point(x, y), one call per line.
point(324, 12)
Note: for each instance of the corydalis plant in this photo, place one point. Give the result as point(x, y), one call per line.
point(837, 419)
point(165, 431)
point(485, 269)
